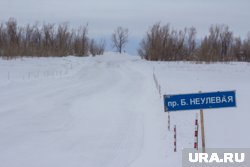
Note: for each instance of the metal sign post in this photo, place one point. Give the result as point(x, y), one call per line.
point(202, 132)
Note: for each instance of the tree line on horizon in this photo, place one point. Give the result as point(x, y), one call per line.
point(220, 45)
point(161, 43)
point(46, 40)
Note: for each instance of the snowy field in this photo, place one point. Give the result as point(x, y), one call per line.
point(105, 111)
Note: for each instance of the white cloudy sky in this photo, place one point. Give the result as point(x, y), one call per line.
point(103, 16)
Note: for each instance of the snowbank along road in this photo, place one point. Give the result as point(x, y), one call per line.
point(105, 111)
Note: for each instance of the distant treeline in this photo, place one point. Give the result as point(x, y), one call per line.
point(166, 44)
point(46, 40)
point(160, 43)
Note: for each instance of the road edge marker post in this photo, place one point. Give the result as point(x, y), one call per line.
point(168, 121)
point(196, 132)
point(166, 110)
point(175, 139)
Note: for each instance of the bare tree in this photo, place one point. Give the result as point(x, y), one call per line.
point(237, 50)
point(191, 43)
point(48, 32)
point(2, 39)
point(246, 49)
point(120, 38)
point(12, 37)
point(62, 40)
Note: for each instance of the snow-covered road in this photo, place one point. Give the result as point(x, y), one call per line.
point(96, 112)
point(93, 118)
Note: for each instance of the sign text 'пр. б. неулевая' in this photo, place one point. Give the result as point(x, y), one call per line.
point(199, 101)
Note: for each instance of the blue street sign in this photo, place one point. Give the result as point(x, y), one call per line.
point(199, 101)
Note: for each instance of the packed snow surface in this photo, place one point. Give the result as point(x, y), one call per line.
point(105, 111)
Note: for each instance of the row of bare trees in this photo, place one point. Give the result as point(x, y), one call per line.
point(160, 43)
point(164, 43)
point(46, 40)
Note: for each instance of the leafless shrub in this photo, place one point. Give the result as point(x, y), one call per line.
point(96, 48)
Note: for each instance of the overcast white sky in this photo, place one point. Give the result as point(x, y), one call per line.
point(103, 16)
